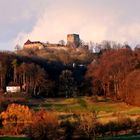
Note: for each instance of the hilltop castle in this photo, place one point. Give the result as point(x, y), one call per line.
point(35, 44)
point(73, 40)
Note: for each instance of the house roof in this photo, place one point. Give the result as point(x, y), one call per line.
point(27, 42)
point(73, 34)
point(30, 42)
point(13, 84)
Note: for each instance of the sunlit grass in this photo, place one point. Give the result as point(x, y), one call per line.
point(106, 109)
point(134, 111)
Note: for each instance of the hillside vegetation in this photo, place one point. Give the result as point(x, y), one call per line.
point(66, 55)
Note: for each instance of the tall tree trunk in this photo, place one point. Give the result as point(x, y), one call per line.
point(15, 74)
point(1, 81)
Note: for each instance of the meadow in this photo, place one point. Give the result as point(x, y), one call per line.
point(106, 109)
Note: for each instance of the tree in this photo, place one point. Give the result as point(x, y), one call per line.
point(14, 64)
point(2, 75)
point(21, 69)
point(17, 47)
point(131, 89)
point(5, 68)
point(67, 85)
point(88, 124)
point(16, 118)
point(62, 42)
point(34, 79)
point(38, 79)
point(44, 126)
point(111, 69)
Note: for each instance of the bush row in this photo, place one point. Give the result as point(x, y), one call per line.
point(19, 119)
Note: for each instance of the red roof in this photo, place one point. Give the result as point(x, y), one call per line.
point(30, 42)
point(27, 42)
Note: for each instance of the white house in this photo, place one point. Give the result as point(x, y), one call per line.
point(13, 88)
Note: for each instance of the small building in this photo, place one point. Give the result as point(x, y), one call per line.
point(13, 88)
point(33, 45)
point(73, 40)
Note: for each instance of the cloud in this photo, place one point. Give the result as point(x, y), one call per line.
point(92, 22)
point(20, 10)
point(18, 16)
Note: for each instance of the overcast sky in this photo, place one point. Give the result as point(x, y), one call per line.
point(52, 20)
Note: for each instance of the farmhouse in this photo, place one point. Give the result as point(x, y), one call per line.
point(33, 45)
point(13, 88)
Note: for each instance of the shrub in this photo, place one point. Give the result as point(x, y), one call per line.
point(44, 126)
point(136, 126)
point(15, 119)
point(69, 129)
point(100, 130)
point(87, 124)
point(125, 124)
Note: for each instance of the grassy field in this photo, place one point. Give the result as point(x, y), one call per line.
point(106, 109)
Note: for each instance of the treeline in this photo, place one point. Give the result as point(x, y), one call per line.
point(116, 74)
point(40, 77)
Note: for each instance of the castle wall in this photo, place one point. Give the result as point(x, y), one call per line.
point(73, 39)
point(33, 46)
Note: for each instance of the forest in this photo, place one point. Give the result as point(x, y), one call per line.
point(113, 72)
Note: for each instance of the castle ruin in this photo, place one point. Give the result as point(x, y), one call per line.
point(73, 40)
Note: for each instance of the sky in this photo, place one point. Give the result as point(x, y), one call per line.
point(51, 20)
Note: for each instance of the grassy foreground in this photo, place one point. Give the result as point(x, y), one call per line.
point(106, 109)
point(124, 137)
point(14, 138)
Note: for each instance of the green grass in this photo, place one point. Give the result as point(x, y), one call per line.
point(102, 108)
point(106, 108)
point(77, 104)
point(65, 105)
point(124, 137)
point(82, 102)
point(135, 110)
point(14, 138)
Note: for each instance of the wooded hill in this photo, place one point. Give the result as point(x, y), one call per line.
point(113, 72)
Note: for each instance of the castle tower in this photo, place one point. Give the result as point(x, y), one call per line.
point(73, 40)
